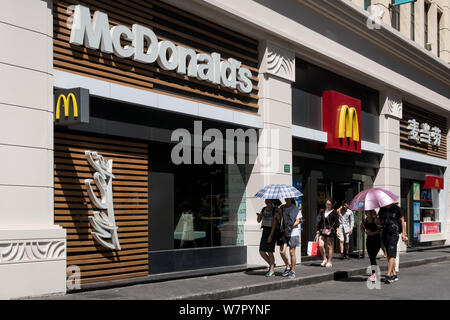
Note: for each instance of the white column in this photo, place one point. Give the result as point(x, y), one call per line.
point(388, 176)
point(277, 71)
point(405, 20)
point(445, 30)
point(32, 248)
point(419, 22)
point(432, 27)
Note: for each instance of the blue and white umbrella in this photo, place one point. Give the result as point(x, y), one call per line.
point(278, 191)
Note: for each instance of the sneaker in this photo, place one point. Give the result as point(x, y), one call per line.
point(394, 277)
point(270, 274)
point(342, 256)
point(324, 262)
point(286, 272)
point(328, 265)
point(291, 274)
point(373, 277)
point(389, 280)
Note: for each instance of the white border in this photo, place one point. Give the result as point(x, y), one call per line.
point(105, 89)
point(321, 136)
point(413, 156)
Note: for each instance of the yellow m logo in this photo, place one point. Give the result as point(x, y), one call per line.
point(66, 101)
point(348, 123)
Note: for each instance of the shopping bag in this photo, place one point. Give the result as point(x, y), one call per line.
point(313, 248)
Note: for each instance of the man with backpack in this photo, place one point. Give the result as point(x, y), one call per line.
point(393, 224)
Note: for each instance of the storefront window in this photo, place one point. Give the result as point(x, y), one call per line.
point(421, 209)
point(209, 205)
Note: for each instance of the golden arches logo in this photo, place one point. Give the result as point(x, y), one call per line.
point(348, 123)
point(66, 101)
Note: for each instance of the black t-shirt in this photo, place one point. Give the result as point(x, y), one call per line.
point(390, 219)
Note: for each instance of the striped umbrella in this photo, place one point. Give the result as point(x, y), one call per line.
point(278, 191)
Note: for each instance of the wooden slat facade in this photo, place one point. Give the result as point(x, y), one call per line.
point(73, 206)
point(168, 23)
point(423, 116)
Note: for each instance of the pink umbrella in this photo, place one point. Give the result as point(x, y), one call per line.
point(373, 198)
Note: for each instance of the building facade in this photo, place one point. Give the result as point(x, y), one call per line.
point(108, 109)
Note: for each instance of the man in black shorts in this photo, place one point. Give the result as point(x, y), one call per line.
point(393, 224)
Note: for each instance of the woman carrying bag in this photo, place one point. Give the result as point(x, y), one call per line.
point(326, 229)
point(267, 243)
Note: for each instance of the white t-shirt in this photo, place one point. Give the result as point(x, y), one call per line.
point(327, 213)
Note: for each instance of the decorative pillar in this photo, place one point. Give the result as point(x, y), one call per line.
point(274, 161)
point(388, 176)
point(32, 248)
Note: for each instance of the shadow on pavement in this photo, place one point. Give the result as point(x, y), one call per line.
point(353, 279)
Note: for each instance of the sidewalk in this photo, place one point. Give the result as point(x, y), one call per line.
point(237, 284)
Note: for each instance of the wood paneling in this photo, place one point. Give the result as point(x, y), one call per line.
point(168, 23)
point(73, 206)
point(423, 116)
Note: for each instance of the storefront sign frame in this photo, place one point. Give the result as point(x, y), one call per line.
point(341, 119)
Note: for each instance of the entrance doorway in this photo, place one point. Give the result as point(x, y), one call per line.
point(340, 191)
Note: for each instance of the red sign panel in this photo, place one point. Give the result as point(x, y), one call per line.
point(430, 227)
point(341, 119)
point(432, 182)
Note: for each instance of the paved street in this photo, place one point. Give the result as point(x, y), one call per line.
point(431, 281)
point(311, 281)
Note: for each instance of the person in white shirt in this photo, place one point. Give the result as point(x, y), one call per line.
point(289, 219)
point(345, 230)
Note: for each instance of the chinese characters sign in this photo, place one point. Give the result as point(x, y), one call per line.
point(424, 133)
point(431, 227)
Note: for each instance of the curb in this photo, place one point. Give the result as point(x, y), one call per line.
point(287, 283)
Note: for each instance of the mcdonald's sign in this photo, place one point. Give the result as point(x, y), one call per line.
point(341, 119)
point(71, 106)
point(432, 182)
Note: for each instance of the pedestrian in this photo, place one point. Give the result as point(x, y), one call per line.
point(266, 247)
point(290, 217)
point(372, 227)
point(326, 229)
point(384, 257)
point(345, 230)
point(393, 224)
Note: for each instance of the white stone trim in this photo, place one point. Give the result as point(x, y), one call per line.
point(278, 61)
point(20, 251)
point(155, 100)
point(309, 134)
point(432, 237)
point(413, 156)
point(321, 136)
point(372, 147)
